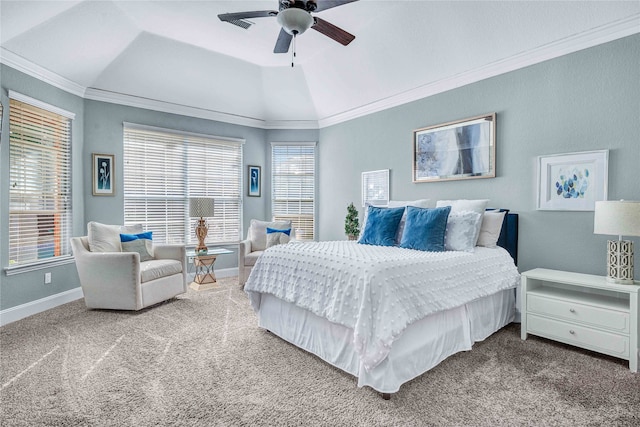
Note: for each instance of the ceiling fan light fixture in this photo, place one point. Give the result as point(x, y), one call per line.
point(295, 21)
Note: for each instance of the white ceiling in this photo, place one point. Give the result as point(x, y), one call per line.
point(178, 56)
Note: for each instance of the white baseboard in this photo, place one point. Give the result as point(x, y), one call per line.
point(38, 306)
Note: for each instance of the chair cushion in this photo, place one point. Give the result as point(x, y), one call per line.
point(157, 268)
point(251, 258)
point(106, 238)
point(258, 232)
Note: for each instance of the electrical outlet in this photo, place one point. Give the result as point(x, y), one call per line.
point(190, 260)
point(47, 278)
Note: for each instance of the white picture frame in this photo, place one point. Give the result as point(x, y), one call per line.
point(572, 181)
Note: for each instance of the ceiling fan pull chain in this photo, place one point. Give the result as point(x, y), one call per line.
point(293, 53)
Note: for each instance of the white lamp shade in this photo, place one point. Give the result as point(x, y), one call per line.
point(295, 21)
point(201, 207)
point(617, 218)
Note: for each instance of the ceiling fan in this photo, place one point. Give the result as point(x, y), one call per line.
point(295, 18)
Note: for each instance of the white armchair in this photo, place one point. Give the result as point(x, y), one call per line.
point(252, 247)
point(120, 281)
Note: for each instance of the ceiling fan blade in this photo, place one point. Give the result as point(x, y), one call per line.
point(333, 32)
point(283, 42)
point(227, 17)
point(328, 4)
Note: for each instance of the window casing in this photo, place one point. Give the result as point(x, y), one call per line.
point(162, 168)
point(40, 208)
point(293, 184)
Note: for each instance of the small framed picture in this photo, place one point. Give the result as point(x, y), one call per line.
point(254, 181)
point(103, 174)
point(572, 181)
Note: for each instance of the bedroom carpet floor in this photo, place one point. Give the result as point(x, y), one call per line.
point(201, 360)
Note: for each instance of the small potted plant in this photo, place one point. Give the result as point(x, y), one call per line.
point(351, 224)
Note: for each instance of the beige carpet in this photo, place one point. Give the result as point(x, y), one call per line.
point(200, 360)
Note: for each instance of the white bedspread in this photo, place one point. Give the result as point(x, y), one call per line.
point(377, 291)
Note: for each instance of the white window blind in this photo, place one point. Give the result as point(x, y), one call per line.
point(40, 182)
point(293, 168)
point(163, 169)
point(375, 187)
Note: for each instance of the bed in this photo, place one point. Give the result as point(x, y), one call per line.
point(385, 314)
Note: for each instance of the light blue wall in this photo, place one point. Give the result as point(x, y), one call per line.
point(584, 101)
point(25, 287)
point(588, 100)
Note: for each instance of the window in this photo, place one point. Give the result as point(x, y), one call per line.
point(40, 181)
point(293, 169)
point(375, 187)
point(162, 168)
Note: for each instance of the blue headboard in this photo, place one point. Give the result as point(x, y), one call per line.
point(509, 234)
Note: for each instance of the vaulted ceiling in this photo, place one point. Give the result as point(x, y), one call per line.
point(178, 56)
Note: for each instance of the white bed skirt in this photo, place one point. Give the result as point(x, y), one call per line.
point(422, 345)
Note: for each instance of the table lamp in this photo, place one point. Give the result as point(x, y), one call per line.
point(201, 207)
point(618, 218)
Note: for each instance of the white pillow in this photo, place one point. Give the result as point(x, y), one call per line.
point(258, 232)
point(106, 238)
point(490, 229)
point(420, 203)
point(462, 231)
point(464, 205)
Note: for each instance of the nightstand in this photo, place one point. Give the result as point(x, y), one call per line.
point(205, 277)
point(582, 310)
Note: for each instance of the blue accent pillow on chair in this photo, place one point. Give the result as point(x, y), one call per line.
point(425, 229)
point(382, 225)
point(141, 243)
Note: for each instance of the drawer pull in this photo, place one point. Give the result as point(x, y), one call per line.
point(572, 310)
point(572, 332)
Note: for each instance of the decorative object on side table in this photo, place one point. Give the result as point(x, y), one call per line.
point(618, 218)
point(351, 224)
point(201, 207)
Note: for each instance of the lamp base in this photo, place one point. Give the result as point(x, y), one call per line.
point(620, 262)
point(201, 234)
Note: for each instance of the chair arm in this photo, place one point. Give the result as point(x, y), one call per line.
point(110, 279)
point(177, 252)
point(244, 248)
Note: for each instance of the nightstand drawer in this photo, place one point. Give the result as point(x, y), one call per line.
point(616, 321)
point(582, 336)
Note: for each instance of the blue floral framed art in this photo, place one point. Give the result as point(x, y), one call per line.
point(572, 181)
point(103, 175)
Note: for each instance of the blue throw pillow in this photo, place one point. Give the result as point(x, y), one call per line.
point(425, 229)
point(130, 237)
point(381, 226)
point(274, 230)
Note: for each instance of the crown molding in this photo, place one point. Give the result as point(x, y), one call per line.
point(606, 33)
point(36, 71)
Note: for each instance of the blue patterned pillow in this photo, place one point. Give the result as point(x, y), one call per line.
point(425, 229)
point(381, 227)
point(141, 243)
